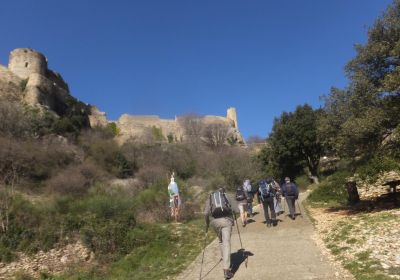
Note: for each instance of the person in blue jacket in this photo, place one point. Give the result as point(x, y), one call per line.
point(291, 192)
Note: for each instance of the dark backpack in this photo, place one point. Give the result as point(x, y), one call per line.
point(267, 189)
point(240, 195)
point(219, 205)
point(290, 189)
point(254, 188)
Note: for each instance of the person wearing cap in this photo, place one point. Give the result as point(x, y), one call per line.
point(174, 199)
point(291, 192)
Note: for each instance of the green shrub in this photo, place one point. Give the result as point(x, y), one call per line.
point(332, 190)
point(303, 182)
point(157, 134)
point(108, 155)
point(152, 203)
point(370, 170)
point(114, 128)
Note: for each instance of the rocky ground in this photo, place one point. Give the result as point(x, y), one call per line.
point(366, 243)
point(54, 261)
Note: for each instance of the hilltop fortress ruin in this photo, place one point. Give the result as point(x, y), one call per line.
point(28, 79)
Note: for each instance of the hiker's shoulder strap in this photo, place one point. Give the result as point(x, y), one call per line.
point(226, 200)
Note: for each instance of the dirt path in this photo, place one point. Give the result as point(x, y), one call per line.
point(284, 252)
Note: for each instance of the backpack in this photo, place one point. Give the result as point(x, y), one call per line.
point(254, 188)
point(267, 189)
point(173, 189)
point(247, 187)
point(240, 195)
point(290, 189)
point(219, 205)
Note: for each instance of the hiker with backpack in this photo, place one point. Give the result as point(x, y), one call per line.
point(291, 193)
point(174, 199)
point(242, 198)
point(250, 196)
point(218, 214)
point(266, 193)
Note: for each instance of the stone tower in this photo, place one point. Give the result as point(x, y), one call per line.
point(24, 62)
point(231, 116)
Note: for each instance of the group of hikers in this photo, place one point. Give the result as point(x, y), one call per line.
point(220, 215)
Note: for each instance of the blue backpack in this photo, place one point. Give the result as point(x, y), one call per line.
point(267, 189)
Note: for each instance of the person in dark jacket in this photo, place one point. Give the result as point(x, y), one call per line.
point(266, 193)
point(291, 192)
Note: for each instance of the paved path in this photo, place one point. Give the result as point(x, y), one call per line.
point(284, 252)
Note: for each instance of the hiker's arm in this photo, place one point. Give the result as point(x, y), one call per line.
point(283, 190)
point(277, 186)
point(297, 190)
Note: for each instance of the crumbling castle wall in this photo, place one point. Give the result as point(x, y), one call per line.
point(28, 78)
point(140, 128)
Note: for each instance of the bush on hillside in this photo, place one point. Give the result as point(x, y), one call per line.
point(32, 159)
point(236, 165)
point(148, 175)
point(332, 190)
point(370, 170)
point(108, 155)
point(152, 204)
point(75, 180)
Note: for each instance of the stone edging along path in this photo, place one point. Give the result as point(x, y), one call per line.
point(285, 252)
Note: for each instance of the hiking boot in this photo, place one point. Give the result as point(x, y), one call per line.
point(269, 224)
point(228, 274)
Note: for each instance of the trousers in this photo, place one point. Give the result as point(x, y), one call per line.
point(290, 202)
point(269, 203)
point(223, 229)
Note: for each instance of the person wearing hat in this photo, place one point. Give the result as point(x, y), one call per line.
point(291, 192)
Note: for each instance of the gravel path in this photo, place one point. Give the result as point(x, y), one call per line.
point(284, 252)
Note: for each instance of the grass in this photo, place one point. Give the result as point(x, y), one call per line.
point(346, 238)
point(172, 248)
point(331, 192)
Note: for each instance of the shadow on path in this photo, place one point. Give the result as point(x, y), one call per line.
point(238, 258)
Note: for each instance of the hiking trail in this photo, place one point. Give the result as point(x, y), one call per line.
point(284, 252)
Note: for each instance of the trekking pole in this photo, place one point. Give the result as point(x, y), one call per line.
point(202, 258)
point(240, 239)
point(284, 206)
point(298, 206)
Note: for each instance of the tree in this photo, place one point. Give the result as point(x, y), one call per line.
point(361, 117)
point(192, 125)
point(294, 142)
point(216, 135)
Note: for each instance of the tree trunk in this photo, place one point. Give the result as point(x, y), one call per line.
point(352, 192)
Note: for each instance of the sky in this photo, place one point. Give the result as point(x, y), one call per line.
point(173, 57)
